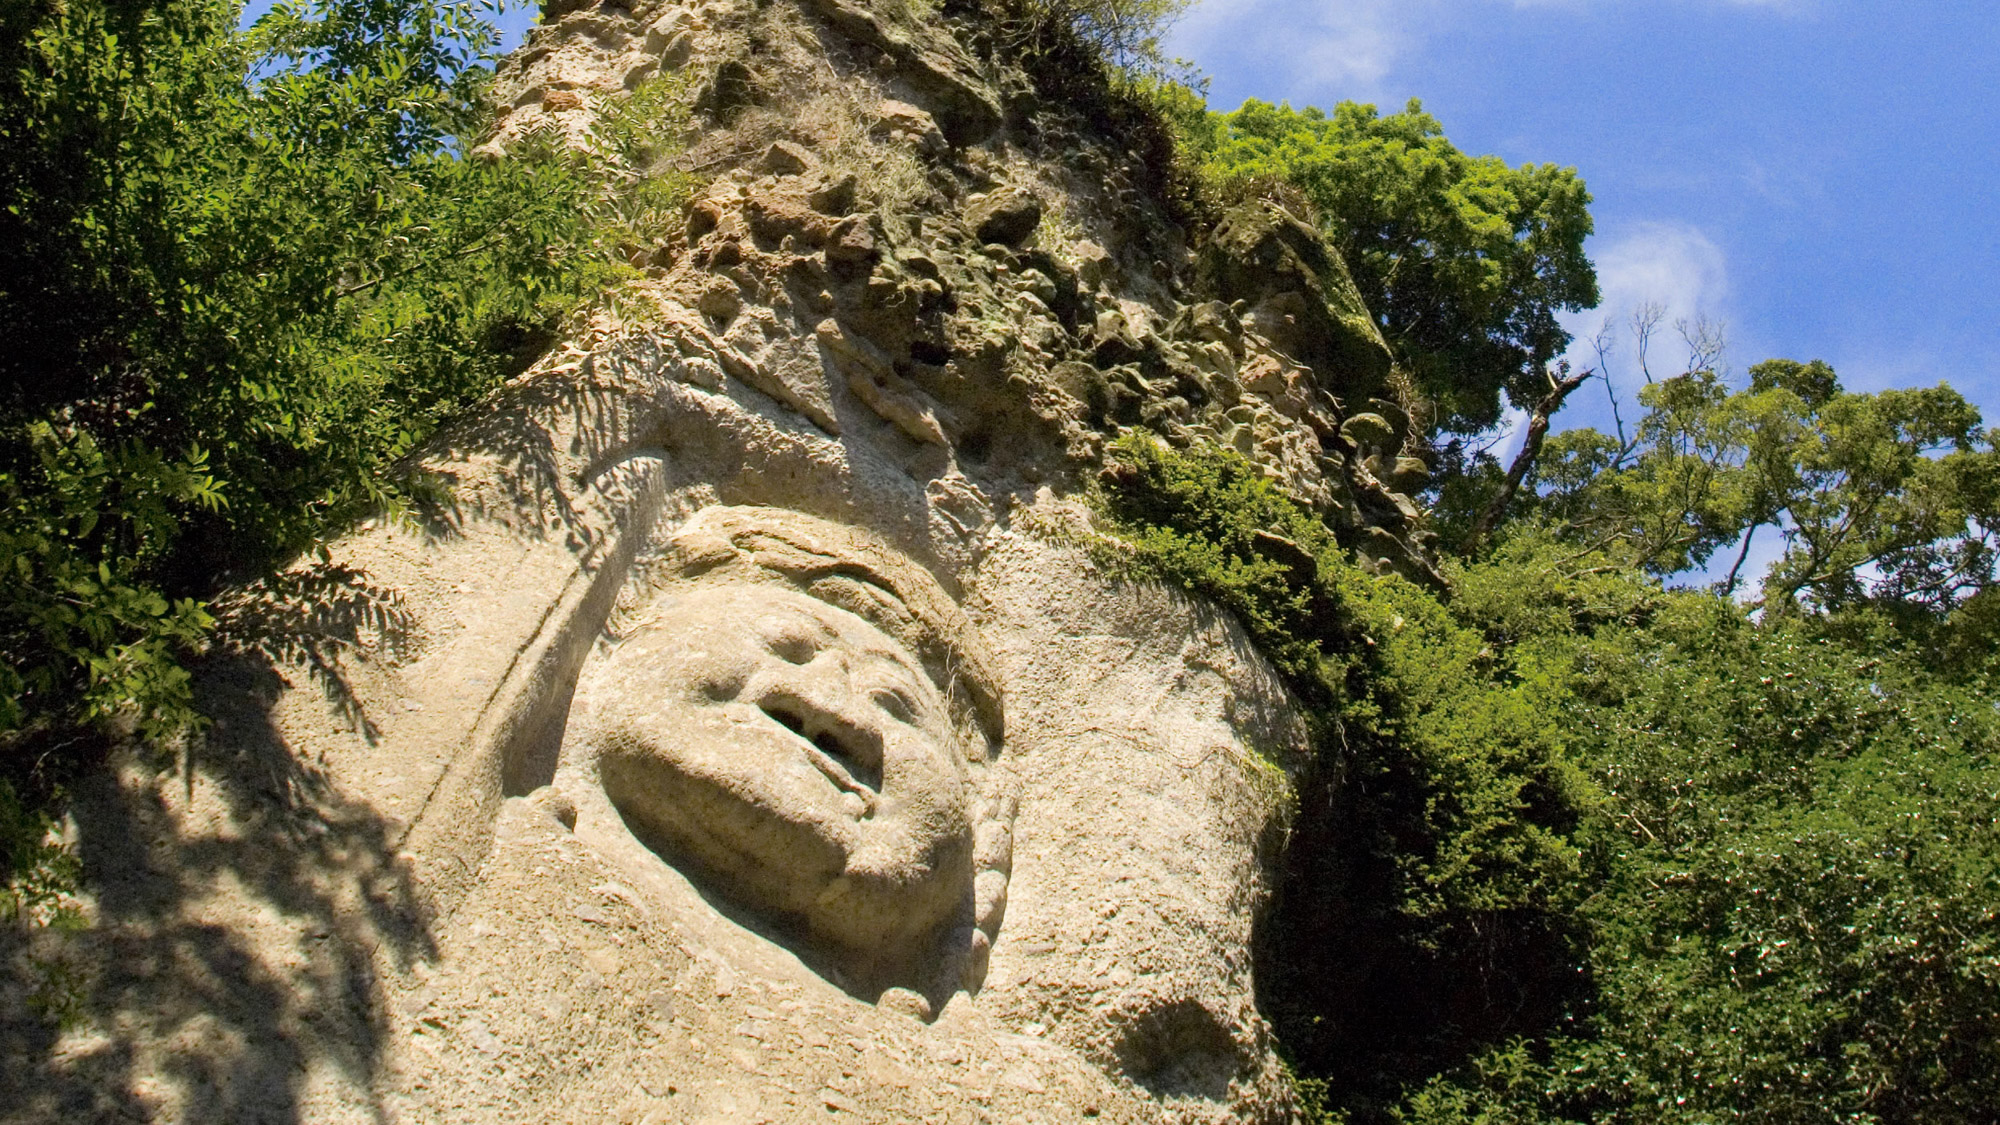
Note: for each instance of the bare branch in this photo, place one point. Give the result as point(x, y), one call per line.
point(1705, 342)
point(1646, 321)
point(1601, 344)
point(1561, 385)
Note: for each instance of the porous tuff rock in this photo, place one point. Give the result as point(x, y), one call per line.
point(396, 881)
point(1007, 216)
point(1298, 293)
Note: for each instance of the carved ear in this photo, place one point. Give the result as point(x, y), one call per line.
point(993, 867)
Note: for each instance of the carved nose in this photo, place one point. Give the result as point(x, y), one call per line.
point(825, 686)
point(818, 705)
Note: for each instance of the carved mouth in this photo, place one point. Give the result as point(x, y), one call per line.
point(834, 751)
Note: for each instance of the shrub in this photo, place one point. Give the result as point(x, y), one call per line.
point(1103, 59)
point(245, 273)
point(1579, 848)
point(1122, 33)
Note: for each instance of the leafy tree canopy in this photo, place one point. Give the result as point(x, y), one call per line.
point(242, 272)
point(1884, 500)
point(1790, 867)
point(1464, 260)
point(1579, 848)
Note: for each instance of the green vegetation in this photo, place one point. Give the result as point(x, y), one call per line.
point(1793, 906)
point(1574, 845)
point(242, 273)
point(1577, 847)
point(1103, 59)
point(1432, 873)
point(1117, 33)
point(1883, 500)
point(1464, 261)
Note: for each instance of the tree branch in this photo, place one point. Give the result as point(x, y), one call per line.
point(1736, 570)
point(1561, 386)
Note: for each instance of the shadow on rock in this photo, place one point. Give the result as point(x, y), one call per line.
point(523, 464)
point(243, 910)
point(312, 617)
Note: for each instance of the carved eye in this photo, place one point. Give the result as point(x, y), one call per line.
point(720, 689)
point(899, 706)
point(794, 648)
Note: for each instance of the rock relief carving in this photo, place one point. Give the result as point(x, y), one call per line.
point(801, 722)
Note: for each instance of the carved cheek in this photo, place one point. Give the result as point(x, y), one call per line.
point(696, 666)
point(926, 789)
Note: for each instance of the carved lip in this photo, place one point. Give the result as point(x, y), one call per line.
point(810, 736)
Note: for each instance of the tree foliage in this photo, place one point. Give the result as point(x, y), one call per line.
point(1423, 907)
point(1795, 891)
point(1464, 260)
point(244, 272)
point(1883, 500)
point(1577, 847)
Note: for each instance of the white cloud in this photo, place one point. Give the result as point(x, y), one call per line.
point(1306, 48)
point(1350, 46)
point(1673, 266)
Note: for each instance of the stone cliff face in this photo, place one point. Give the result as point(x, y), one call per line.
point(746, 741)
point(894, 217)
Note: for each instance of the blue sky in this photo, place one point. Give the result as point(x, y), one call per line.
point(1816, 175)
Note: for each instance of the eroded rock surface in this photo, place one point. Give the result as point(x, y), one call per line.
point(747, 740)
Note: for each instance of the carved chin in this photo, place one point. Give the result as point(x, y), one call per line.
point(898, 887)
point(869, 887)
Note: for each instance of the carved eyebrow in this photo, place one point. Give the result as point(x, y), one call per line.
point(908, 678)
point(899, 703)
point(791, 616)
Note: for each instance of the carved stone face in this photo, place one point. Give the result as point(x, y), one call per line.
point(797, 759)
